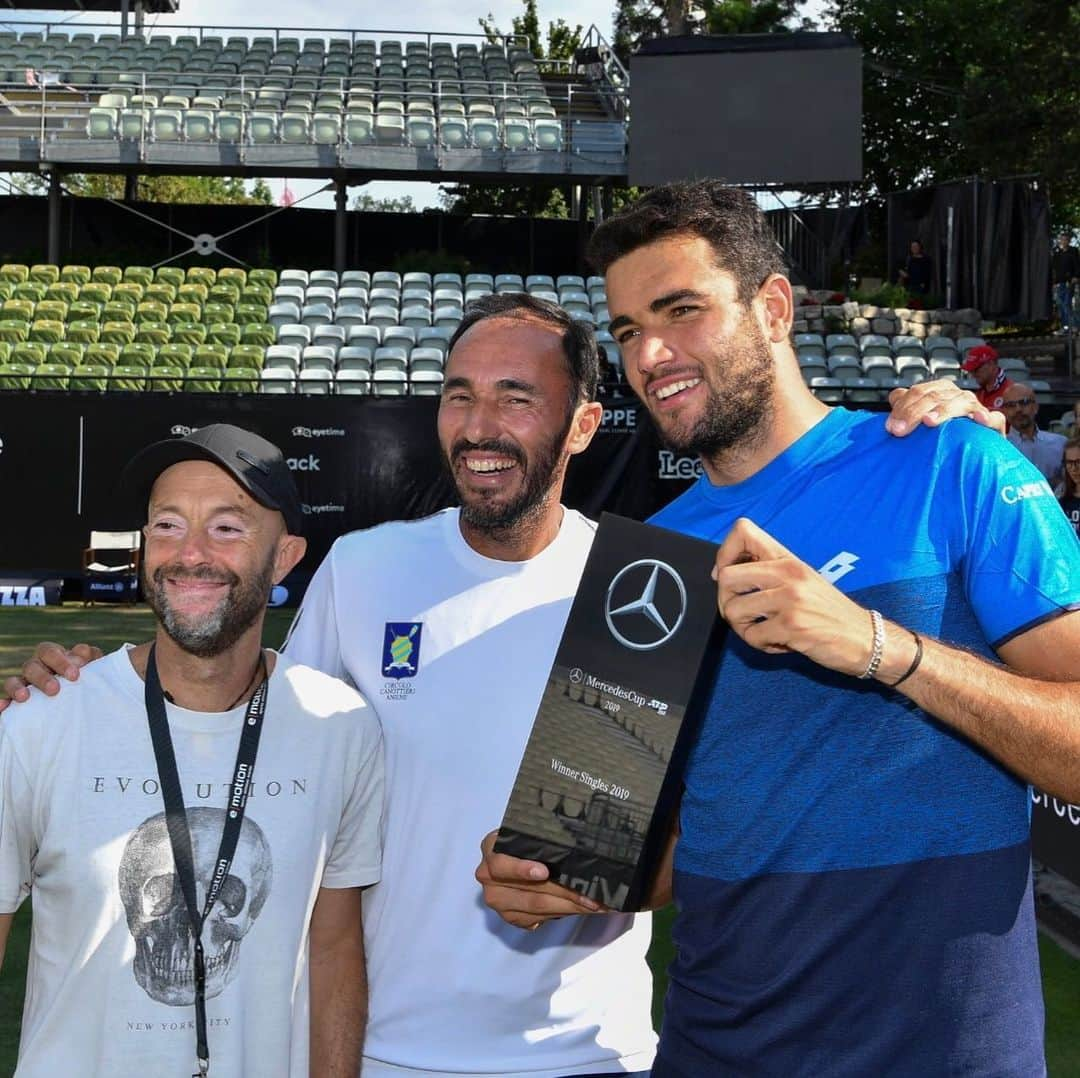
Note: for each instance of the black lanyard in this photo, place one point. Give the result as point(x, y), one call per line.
point(180, 835)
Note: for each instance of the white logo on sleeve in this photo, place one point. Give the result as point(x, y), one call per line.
point(1011, 494)
point(838, 566)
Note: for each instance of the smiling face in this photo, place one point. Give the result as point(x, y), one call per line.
point(212, 555)
point(506, 424)
point(694, 353)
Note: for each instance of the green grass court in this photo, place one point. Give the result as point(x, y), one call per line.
point(21, 629)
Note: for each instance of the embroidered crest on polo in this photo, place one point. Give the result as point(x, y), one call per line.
point(401, 648)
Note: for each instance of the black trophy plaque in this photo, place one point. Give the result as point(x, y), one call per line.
point(601, 773)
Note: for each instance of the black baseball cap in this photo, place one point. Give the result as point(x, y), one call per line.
point(256, 464)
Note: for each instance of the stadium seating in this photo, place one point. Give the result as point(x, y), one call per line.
point(323, 91)
point(364, 332)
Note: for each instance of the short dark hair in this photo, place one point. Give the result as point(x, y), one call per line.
point(578, 338)
point(728, 218)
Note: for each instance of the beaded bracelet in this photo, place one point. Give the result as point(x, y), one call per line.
point(877, 648)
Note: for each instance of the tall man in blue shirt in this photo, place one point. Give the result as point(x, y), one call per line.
point(852, 869)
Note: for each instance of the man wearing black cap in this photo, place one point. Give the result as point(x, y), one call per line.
point(191, 913)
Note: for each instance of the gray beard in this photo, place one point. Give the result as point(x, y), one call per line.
point(214, 634)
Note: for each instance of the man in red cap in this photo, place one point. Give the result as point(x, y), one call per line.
point(981, 362)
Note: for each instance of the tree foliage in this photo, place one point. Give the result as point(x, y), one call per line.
point(206, 190)
point(958, 88)
point(367, 202)
point(637, 21)
point(562, 40)
point(512, 201)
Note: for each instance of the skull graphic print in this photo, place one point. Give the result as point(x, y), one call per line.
point(157, 915)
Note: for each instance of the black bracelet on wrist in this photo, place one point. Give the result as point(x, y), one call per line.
point(914, 662)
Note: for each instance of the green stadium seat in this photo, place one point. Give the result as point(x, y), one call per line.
point(161, 292)
point(78, 275)
point(195, 292)
point(226, 293)
point(151, 311)
point(7, 290)
point(51, 376)
point(171, 275)
point(65, 292)
point(96, 292)
point(269, 277)
point(137, 355)
point(46, 330)
point(13, 330)
point(218, 312)
point(5, 351)
point(247, 313)
point(184, 312)
point(69, 352)
point(54, 309)
point(232, 275)
point(90, 377)
point(20, 309)
point(155, 333)
point(175, 354)
point(166, 378)
point(127, 379)
point(117, 333)
point(84, 331)
point(201, 275)
point(260, 333)
point(211, 355)
point(202, 380)
point(16, 375)
point(139, 275)
point(240, 380)
point(14, 271)
point(193, 333)
point(226, 333)
point(30, 290)
point(32, 352)
point(45, 273)
point(128, 292)
point(257, 292)
point(118, 310)
point(246, 357)
point(112, 275)
point(84, 311)
point(104, 353)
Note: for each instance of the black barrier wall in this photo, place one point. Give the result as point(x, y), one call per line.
point(357, 462)
point(95, 231)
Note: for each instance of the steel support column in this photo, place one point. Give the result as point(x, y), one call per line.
point(53, 240)
point(341, 223)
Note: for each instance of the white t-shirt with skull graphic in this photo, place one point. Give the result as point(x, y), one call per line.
point(109, 985)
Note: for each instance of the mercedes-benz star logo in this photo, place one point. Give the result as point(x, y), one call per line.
point(651, 619)
point(576, 675)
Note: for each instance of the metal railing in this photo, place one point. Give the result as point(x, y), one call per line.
point(805, 251)
point(49, 110)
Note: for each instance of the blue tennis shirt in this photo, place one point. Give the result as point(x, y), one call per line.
point(852, 878)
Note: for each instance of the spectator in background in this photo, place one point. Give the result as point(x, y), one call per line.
point(915, 275)
point(1070, 465)
point(1041, 447)
point(1064, 270)
point(981, 363)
